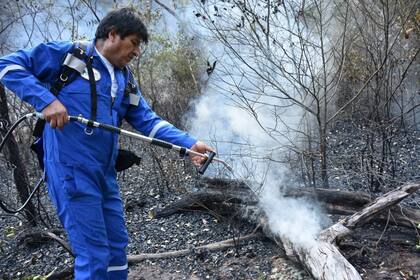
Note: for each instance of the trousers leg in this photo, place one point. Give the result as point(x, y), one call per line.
point(76, 192)
point(116, 230)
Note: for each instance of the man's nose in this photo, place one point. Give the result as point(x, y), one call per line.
point(137, 51)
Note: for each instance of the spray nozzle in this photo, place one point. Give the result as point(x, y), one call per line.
point(207, 163)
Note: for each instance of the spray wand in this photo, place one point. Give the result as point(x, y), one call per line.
point(182, 150)
point(157, 142)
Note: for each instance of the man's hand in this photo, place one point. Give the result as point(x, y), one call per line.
point(56, 114)
point(201, 148)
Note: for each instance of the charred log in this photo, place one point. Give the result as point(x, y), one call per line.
point(220, 196)
point(206, 199)
point(323, 258)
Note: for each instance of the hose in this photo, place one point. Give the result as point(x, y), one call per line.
point(3, 142)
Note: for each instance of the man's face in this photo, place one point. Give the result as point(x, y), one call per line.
point(122, 51)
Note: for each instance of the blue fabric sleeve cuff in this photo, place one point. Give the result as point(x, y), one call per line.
point(44, 100)
point(190, 141)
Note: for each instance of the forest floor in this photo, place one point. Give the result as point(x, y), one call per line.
point(255, 259)
point(376, 251)
point(393, 256)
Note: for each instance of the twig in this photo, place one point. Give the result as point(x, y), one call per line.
point(169, 10)
point(60, 241)
point(47, 234)
point(386, 226)
point(209, 247)
point(88, 4)
point(63, 274)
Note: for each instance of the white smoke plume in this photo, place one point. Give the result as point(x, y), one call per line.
point(241, 141)
point(299, 220)
point(242, 136)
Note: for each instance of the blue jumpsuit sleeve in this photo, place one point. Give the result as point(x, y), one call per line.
point(27, 72)
point(145, 120)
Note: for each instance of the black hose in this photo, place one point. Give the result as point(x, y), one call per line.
point(9, 132)
point(3, 142)
point(10, 211)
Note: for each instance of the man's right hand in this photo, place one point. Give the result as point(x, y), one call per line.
point(56, 114)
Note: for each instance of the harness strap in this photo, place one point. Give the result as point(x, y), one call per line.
point(84, 52)
point(93, 93)
point(75, 62)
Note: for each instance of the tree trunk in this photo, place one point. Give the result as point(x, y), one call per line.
point(323, 154)
point(13, 156)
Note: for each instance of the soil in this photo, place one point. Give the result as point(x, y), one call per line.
point(380, 252)
point(376, 251)
point(143, 188)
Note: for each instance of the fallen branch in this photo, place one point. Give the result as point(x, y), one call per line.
point(209, 247)
point(324, 261)
point(60, 241)
point(66, 273)
point(132, 259)
point(381, 203)
point(41, 236)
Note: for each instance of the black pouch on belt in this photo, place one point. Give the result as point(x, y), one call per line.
point(126, 159)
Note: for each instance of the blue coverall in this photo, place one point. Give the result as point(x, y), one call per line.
point(79, 168)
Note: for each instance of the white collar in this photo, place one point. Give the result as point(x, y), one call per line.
point(106, 61)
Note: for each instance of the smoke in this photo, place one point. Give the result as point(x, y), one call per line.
point(299, 220)
point(239, 138)
point(255, 133)
point(242, 142)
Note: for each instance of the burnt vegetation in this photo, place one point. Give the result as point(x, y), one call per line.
point(348, 69)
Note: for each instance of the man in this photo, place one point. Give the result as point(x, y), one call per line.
point(79, 161)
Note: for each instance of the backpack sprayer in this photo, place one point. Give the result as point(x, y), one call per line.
point(182, 150)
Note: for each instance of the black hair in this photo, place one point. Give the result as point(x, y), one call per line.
point(126, 21)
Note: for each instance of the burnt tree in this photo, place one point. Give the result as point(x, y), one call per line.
point(13, 156)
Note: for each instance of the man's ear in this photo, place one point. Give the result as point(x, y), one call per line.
point(112, 35)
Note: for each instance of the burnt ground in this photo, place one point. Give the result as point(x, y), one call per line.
point(377, 251)
point(156, 182)
point(380, 252)
point(394, 256)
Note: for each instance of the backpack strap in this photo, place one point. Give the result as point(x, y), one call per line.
point(130, 90)
point(77, 60)
point(73, 64)
point(88, 58)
